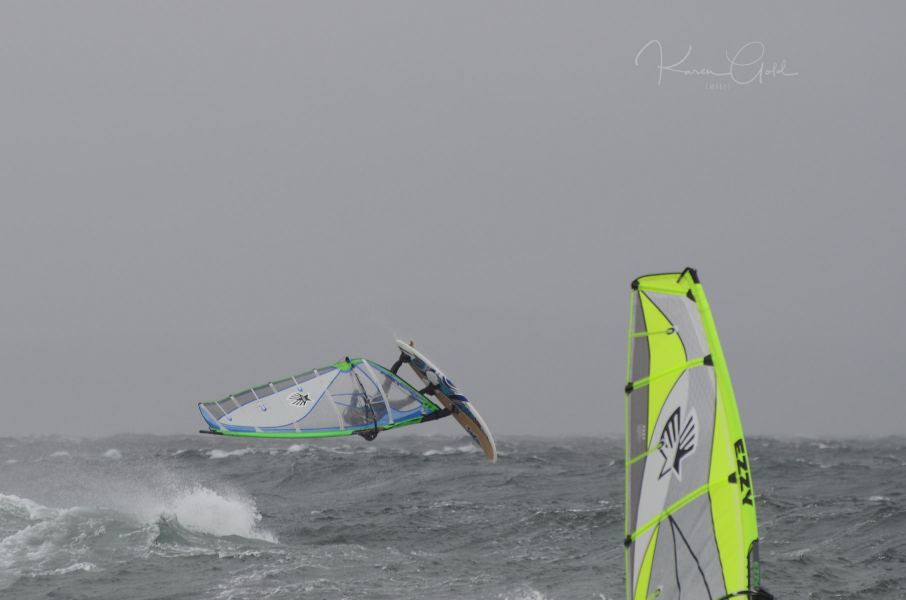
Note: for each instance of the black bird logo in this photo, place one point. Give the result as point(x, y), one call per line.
point(677, 441)
point(299, 399)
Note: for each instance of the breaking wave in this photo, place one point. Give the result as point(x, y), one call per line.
point(203, 510)
point(43, 541)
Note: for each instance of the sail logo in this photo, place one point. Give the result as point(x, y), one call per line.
point(742, 473)
point(299, 399)
point(677, 441)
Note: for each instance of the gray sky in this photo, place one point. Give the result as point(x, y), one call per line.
point(201, 196)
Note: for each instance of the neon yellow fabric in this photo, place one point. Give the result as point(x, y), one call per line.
point(641, 589)
point(728, 488)
point(735, 522)
point(667, 356)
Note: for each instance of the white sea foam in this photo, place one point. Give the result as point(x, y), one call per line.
point(797, 555)
point(467, 449)
point(197, 508)
point(79, 566)
point(42, 539)
point(60, 454)
point(206, 511)
point(217, 453)
point(25, 508)
point(344, 449)
point(524, 593)
point(113, 454)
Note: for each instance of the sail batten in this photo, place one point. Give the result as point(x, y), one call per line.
point(690, 522)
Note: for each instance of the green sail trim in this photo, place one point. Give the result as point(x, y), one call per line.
point(313, 434)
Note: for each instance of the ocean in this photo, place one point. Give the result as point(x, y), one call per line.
point(406, 517)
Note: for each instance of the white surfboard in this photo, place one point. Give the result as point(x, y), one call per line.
point(463, 410)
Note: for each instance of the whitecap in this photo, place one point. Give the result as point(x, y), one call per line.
point(25, 508)
point(43, 538)
point(203, 510)
point(797, 555)
point(524, 593)
point(80, 566)
point(113, 454)
point(218, 453)
point(467, 449)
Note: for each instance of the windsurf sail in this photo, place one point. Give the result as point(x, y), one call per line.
point(353, 396)
point(690, 525)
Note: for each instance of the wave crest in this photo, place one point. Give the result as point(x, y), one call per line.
point(203, 510)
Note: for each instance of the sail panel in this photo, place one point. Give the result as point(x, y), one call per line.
point(690, 525)
point(342, 399)
point(692, 565)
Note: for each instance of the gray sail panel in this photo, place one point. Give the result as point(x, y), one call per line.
point(681, 466)
point(638, 411)
point(687, 323)
point(686, 564)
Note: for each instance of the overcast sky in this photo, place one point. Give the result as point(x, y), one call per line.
point(201, 196)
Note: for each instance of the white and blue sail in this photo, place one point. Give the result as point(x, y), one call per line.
point(354, 396)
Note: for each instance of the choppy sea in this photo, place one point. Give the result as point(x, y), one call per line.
point(405, 517)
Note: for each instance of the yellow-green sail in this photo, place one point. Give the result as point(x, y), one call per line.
point(691, 531)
